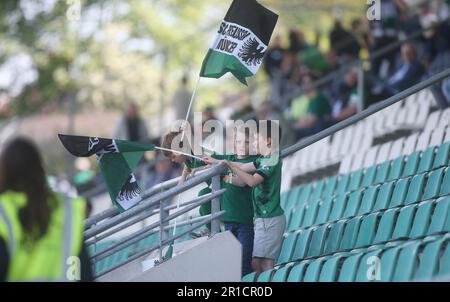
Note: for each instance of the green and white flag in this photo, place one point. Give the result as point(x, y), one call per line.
point(241, 41)
point(117, 160)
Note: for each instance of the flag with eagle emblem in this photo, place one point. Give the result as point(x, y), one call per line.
point(117, 160)
point(241, 41)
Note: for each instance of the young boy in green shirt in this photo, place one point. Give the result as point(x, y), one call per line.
point(264, 176)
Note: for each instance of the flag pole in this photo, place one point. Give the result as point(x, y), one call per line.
point(179, 152)
point(189, 108)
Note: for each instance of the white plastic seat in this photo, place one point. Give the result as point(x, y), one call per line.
point(346, 164)
point(371, 156)
point(437, 136)
point(396, 149)
point(410, 144)
point(445, 119)
point(358, 160)
point(432, 121)
point(423, 141)
point(383, 153)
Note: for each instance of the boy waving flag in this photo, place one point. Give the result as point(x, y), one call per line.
point(241, 41)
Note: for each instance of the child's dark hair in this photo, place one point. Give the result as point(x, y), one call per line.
point(268, 125)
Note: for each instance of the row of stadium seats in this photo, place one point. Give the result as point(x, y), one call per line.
point(410, 114)
point(380, 209)
point(397, 261)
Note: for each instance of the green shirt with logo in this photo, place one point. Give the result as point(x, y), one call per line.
point(266, 195)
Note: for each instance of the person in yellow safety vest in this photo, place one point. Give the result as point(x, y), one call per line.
point(41, 233)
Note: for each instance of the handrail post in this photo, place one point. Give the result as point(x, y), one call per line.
point(215, 205)
point(361, 93)
point(163, 233)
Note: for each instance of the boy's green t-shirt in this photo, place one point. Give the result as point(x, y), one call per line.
point(237, 201)
point(266, 195)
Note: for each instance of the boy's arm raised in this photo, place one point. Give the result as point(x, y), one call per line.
point(251, 180)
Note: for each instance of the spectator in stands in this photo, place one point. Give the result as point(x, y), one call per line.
point(274, 57)
point(264, 175)
point(237, 199)
point(181, 99)
point(382, 33)
point(297, 41)
point(131, 126)
point(408, 74)
point(268, 111)
point(317, 115)
point(342, 42)
point(34, 222)
point(347, 103)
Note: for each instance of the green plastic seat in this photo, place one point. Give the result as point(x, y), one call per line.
point(302, 244)
point(330, 186)
point(399, 193)
point(313, 271)
point(296, 217)
point(311, 213)
point(445, 263)
point(412, 163)
point(396, 169)
point(350, 233)
point(382, 172)
point(281, 273)
point(442, 156)
point(305, 194)
point(297, 272)
point(440, 216)
point(349, 268)
point(318, 190)
point(292, 197)
point(433, 185)
point(342, 184)
point(283, 199)
point(445, 187)
point(386, 225)
point(388, 263)
point(415, 189)
point(287, 247)
point(318, 240)
point(249, 277)
point(324, 210)
point(330, 268)
point(369, 176)
point(369, 267)
point(353, 203)
point(367, 229)
point(404, 222)
point(355, 180)
point(426, 161)
point(368, 200)
point(422, 219)
point(384, 196)
point(334, 236)
point(338, 207)
point(429, 264)
point(265, 276)
point(407, 262)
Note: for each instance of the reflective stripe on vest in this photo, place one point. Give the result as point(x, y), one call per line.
point(11, 239)
point(70, 213)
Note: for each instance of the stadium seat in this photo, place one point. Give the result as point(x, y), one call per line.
point(349, 268)
point(249, 277)
point(297, 272)
point(265, 276)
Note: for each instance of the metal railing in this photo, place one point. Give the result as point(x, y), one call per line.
point(155, 200)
